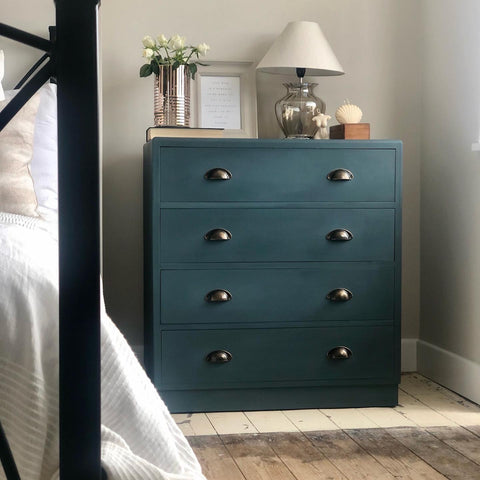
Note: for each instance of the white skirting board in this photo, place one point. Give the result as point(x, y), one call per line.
point(450, 370)
point(409, 354)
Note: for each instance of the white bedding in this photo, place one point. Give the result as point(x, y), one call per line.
point(140, 440)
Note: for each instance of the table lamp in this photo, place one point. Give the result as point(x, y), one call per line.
point(302, 49)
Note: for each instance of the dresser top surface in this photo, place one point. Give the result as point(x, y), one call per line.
point(274, 143)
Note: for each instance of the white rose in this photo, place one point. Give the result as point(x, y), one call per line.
point(203, 48)
point(162, 40)
point(148, 41)
point(148, 53)
point(177, 42)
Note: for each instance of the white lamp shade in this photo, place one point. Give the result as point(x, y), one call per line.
point(301, 45)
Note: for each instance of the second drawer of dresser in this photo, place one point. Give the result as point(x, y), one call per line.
point(326, 292)
point(276, 235)
point(269, 356)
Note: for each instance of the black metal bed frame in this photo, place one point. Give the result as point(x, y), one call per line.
point(71, 58)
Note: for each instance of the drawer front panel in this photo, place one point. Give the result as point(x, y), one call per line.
point(278, 295)
point(279, 174)
point(276, 235)
point(274, 355)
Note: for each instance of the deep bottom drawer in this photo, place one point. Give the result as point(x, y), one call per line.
point(286, 356)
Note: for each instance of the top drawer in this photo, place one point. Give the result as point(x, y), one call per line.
point(276, 174)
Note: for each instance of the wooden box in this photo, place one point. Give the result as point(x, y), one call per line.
point(350, 131)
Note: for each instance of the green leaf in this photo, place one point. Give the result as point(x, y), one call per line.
point(176, 64)
point(155, 67)
point(193, 69)
point(145, 70)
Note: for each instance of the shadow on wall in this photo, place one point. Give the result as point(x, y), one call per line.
point(269, 90)
point(127, 112)
point(123, 243)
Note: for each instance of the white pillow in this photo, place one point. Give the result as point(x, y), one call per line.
point(44, 160)
point(17, 194)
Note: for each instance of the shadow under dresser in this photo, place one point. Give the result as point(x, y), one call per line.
point(272, 273)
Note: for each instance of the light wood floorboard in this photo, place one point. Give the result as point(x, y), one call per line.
point(474, 429)
point(348, 456)
point(460, 439)
point(348, 418)
point(216, 462)
point(310, 420)
point(365, 454)
point(387, 417)
point(441, 400)
point(194, 424)
point(419, 413)
point(436, 453)
point(255, 458)
point(226, 423)
point(433, 434)
point(273, 421)
point(302, 458)
point(399, 460)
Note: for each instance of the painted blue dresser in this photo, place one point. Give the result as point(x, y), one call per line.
point(272, 273)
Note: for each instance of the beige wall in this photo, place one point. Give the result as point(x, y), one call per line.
point(450, 246)
point(375, 40)
point(32, 15)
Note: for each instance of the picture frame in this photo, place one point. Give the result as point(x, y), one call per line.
point(225, 96)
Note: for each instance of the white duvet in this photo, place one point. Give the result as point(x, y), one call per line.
point(140, 440)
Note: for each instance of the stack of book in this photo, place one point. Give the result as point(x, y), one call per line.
point(185, 132)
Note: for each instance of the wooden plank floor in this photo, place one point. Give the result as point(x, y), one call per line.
point(432, 434)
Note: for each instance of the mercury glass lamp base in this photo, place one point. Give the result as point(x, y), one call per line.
point(296, 110)
point(299, 136)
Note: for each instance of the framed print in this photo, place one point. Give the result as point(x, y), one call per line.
point(226, 98)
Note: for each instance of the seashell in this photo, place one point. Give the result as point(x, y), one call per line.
point(348, 113)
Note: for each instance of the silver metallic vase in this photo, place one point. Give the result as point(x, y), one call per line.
point(172, 97)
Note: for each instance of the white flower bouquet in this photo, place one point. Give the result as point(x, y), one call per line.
point(171, 52)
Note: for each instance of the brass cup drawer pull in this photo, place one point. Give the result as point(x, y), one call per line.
point(218, 296)
point(339, 353)
point(339, 235)
point(340, 175)
point(340, 295)
point(218, 174)
point(218, 235)
point(219, 356)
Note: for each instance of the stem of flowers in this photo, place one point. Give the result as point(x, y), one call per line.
point(194, 50)
point(166, 51)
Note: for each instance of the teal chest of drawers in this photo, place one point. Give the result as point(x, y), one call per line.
point(272, 273)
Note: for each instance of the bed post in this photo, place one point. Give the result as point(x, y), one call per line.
point(6, 457)
point(76, 65)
